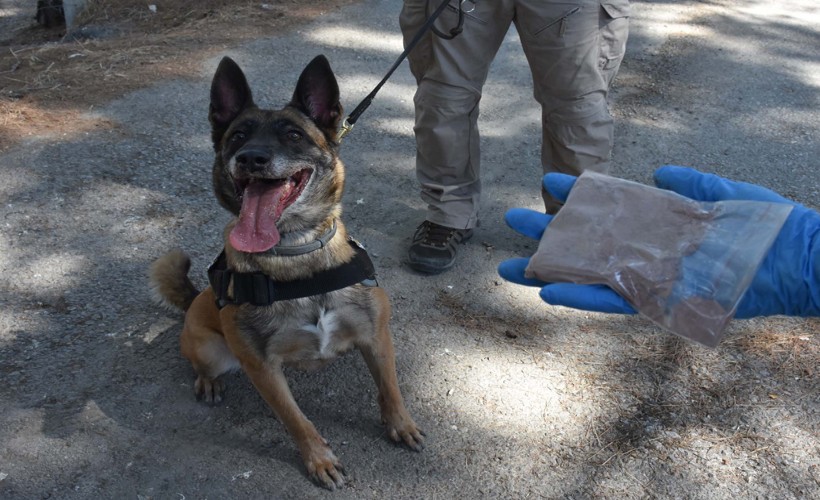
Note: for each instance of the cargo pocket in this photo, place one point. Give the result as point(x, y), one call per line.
point(614, 28)
point(617, 8)
point(551, 21)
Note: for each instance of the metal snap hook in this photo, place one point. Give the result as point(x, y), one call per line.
point(472, 8)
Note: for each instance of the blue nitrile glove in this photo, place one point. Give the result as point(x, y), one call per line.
point(788, 281)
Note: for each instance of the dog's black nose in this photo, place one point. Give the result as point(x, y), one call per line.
point(253, 160)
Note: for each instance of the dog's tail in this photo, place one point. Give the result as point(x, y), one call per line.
point(170, 282)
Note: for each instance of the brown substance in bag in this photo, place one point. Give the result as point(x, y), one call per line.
point(632, 238)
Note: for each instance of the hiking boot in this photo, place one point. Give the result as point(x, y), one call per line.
point(434, 247)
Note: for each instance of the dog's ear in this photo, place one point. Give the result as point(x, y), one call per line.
point(317, 95)
point(230, 94)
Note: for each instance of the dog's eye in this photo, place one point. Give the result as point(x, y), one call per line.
point(294, 136)
point(238, 136)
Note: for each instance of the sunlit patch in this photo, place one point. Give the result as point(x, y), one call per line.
point(397, 126)
point(157, 328)
point(53, 273)
point(17, 325)
point(358, 39)
point(63, 124)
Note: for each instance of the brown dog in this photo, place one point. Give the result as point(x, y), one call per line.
point(292, 286)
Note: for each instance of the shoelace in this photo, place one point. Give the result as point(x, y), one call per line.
point(436, 235)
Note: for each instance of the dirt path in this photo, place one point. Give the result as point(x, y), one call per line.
point(519, 400)
point(50, 79)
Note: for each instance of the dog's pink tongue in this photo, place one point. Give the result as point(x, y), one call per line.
point(256, 230)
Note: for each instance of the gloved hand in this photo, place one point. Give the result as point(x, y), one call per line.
point(788, 281)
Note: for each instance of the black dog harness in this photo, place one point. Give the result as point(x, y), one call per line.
point(258, 289)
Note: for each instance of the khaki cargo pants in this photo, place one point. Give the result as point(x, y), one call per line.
point(574, 49)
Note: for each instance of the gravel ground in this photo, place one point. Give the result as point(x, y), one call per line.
point(518, 399)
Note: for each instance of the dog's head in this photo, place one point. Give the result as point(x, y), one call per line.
point(277, 170)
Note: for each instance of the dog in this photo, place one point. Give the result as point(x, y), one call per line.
point(290, 287)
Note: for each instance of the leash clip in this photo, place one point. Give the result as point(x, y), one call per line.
point(346, 128)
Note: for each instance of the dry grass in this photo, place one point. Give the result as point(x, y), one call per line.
point(462, 313)
point(48, 79)
point(793, 353)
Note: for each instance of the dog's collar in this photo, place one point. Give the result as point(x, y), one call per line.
point(258, 289)
point(316, 244)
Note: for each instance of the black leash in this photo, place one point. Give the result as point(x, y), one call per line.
point(351, 119)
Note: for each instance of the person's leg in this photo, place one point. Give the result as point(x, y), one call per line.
point(447, 153)
point(411, 18)
point(614, 33)
point(564, 44)
point(450, 76)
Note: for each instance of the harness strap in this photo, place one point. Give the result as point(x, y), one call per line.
point(258, 289)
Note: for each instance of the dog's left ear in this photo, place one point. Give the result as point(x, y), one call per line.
point(317, 95)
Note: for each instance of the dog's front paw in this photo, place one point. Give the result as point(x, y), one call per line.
point(323, 466)
point(208, 389)
point(402, 429)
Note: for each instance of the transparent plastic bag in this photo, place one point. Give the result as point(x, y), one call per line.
point(681, 263)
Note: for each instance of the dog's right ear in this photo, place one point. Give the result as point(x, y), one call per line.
point(230, 94)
